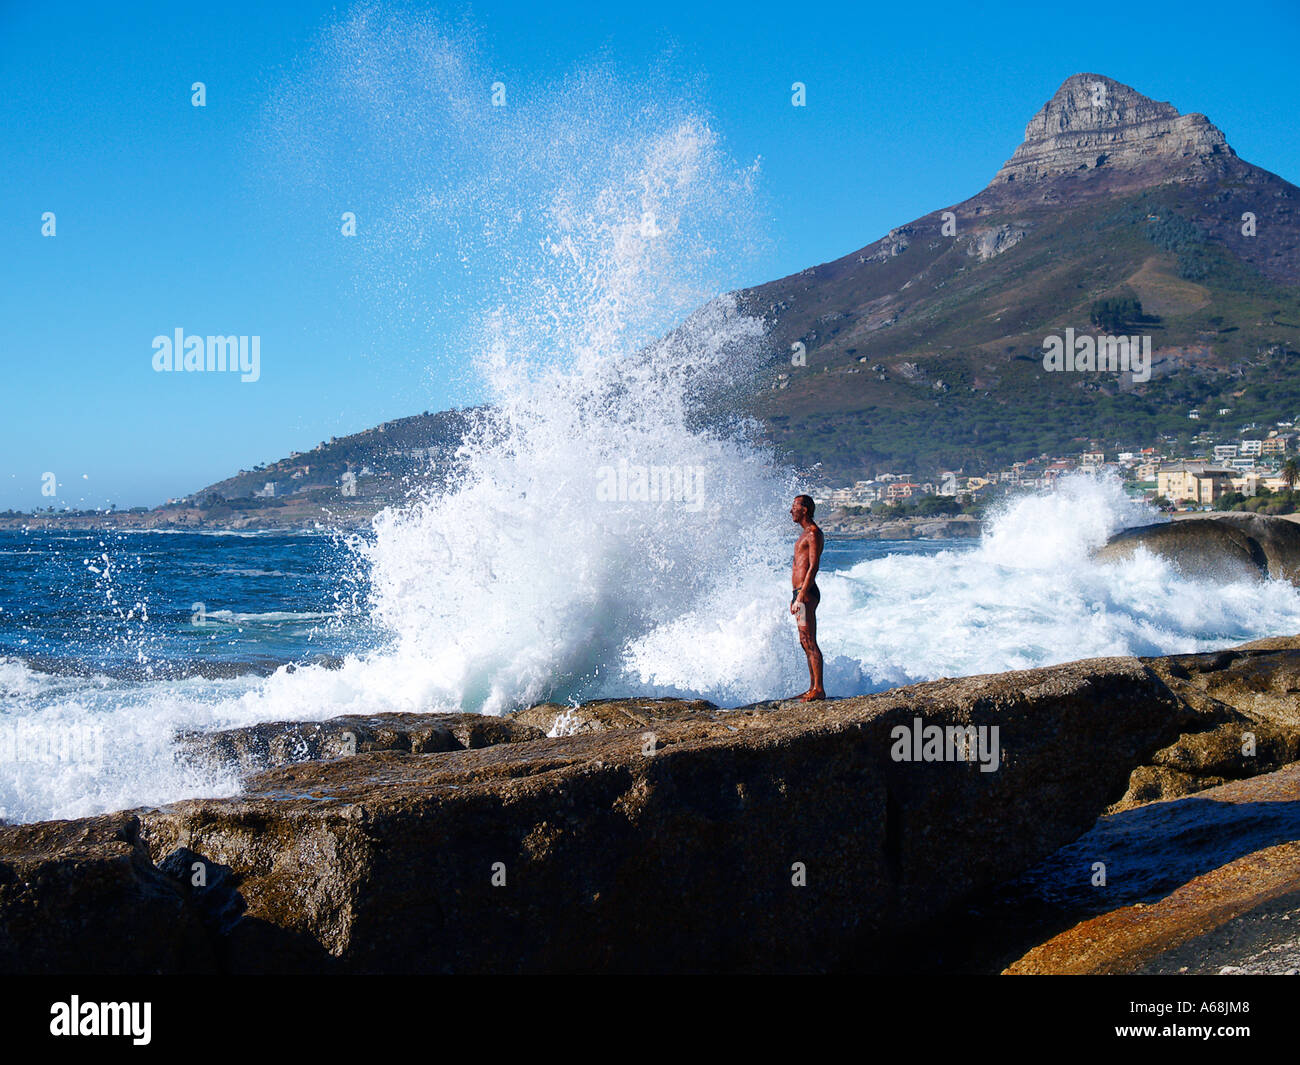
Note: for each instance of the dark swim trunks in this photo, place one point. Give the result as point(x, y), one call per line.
point(813, 597)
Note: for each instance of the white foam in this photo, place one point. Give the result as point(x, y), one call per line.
point(1031, 594)
point(74, 746)
point(237, 617)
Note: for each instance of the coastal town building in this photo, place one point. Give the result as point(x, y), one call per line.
point(1194, 482)
point(1247, 484)
point(1248, 466)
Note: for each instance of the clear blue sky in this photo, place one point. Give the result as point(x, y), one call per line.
point(170, 215)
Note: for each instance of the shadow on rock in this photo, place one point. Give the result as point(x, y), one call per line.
point(241, 944)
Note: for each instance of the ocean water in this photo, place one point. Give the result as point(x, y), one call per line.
point(106, 654)
point(604, 221)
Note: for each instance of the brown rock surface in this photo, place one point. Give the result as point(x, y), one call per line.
point(615, 861)
point(84, 896)
point(1247, 719)
point(1201, 885)
point(601, 715)
point(684, 859)
point(257, 747)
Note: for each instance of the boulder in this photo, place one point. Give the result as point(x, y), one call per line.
point(1247, 719)
point(1227, 547)
point(1199, 547)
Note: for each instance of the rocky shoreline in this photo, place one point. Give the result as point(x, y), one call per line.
point(193, 519)
point(667, 836)
point(841, 526)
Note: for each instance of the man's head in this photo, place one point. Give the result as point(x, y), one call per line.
point(802, 509)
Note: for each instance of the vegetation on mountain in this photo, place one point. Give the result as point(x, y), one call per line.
point(933, 360)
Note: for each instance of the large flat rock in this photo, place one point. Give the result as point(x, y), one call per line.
point(665, 835)
point(684, 858)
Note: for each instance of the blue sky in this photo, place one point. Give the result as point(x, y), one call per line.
point(170, 215)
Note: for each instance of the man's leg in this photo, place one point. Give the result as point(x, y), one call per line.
point(801, 621)
point(808, 641)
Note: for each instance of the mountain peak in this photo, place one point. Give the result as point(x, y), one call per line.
point(1093, 122)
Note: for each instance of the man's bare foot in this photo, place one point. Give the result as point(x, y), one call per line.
point(813, 696)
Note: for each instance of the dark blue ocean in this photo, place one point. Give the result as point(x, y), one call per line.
point(160, 604)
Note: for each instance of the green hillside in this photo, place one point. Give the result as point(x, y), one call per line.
point(934, 358)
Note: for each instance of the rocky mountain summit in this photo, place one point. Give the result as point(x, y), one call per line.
point(1093, 121)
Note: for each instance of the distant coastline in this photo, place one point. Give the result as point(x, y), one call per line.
point(308, 516)
point(357, 515)
point(841, 526)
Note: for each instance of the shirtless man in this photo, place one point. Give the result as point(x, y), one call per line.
point(807, 557)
